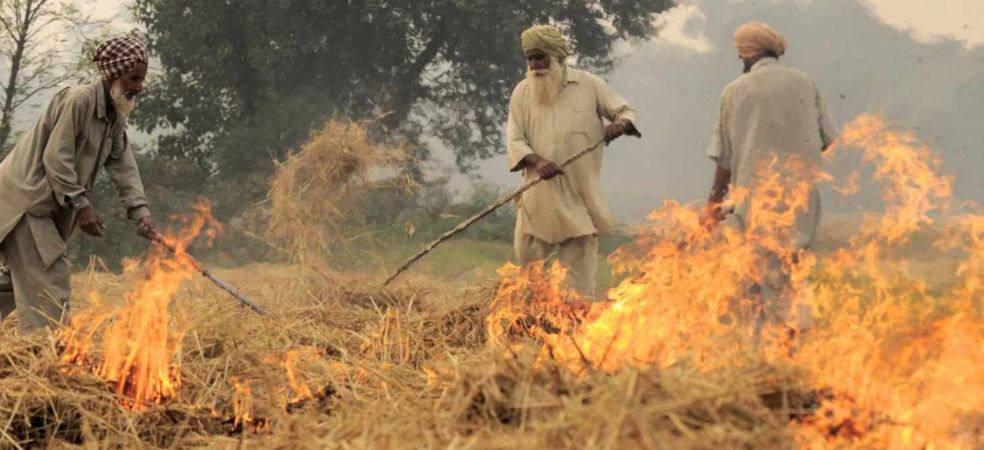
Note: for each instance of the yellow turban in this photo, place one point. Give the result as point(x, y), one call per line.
point(545, 38)
point(755, 39)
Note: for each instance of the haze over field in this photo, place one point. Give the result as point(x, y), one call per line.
point(297, 155)
point(920, 66)
point(930, 80)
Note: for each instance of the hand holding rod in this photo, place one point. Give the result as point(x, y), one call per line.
point(488, 210)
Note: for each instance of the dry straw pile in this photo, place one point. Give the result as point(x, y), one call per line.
point(316, 190)
point(347, 365)
point(343, 363)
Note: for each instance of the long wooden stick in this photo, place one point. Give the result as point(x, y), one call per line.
point(222, 284)
point(481, 214)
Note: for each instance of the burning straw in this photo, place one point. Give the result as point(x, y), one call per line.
point(134, 346)
point(350, 365)
point(893, 362)
point(890, 362)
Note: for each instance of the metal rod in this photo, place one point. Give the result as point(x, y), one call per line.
point(481, 214)
point(222, 284)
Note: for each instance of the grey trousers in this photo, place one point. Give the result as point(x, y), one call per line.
point(38, 291)
point(578, 255)
point(777, 300)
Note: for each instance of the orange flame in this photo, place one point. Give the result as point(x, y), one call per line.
point(895, 363)
point(906, 364)
point(298, 388)
point(242, 401)
point(690, 299)
point(138, 342)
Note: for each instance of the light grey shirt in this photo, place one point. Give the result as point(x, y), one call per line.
point(773, 118)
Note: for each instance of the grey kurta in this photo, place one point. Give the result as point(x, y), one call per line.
point(45, 181)
point(773, 113)
point(570, 205)
point(54, 165)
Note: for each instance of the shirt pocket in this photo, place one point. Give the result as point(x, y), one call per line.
point(575, 142)
point(582, 118)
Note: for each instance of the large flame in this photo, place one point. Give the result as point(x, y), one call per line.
point(134, 346)
point(904, 361)
point(691, 295)
point(895, 362)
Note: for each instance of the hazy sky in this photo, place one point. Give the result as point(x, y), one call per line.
point(958, 19)
point(920, 66)
point(920, 63)
point(104, 9)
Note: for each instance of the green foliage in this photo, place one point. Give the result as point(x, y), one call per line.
point(119, 240)
point(423, 215)
point(244, 81)
point(33, 44)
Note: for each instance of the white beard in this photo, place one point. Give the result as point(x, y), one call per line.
point(546, 84)
point(122, 104)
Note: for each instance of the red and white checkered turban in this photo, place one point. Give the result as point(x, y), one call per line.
point(118, 55)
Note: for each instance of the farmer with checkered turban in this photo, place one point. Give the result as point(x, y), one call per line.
point(117, 56)
point(48, 177)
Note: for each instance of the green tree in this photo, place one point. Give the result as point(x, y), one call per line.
point(32, 45)
point(243, 81)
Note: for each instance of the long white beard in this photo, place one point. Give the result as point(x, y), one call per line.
point(546, 84)
point(122, 104)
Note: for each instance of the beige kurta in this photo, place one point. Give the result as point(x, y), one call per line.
point(773, 113)
point(44, 182)
point(578, 255)
point(570, 205)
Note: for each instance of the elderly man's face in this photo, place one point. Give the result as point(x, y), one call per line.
point(132, 81)
point(538, 61)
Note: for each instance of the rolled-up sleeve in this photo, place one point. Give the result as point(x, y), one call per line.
point(613, 106)
point(517, 142)
point(719, 148)
point(65, 118)
point(122, 168)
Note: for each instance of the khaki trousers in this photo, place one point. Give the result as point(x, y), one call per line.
point(38, 292)
point(578, 255)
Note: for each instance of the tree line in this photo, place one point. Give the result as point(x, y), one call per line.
point(239, 83)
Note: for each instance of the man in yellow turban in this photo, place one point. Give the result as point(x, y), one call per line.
point(772, 119)
point(555, 112)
